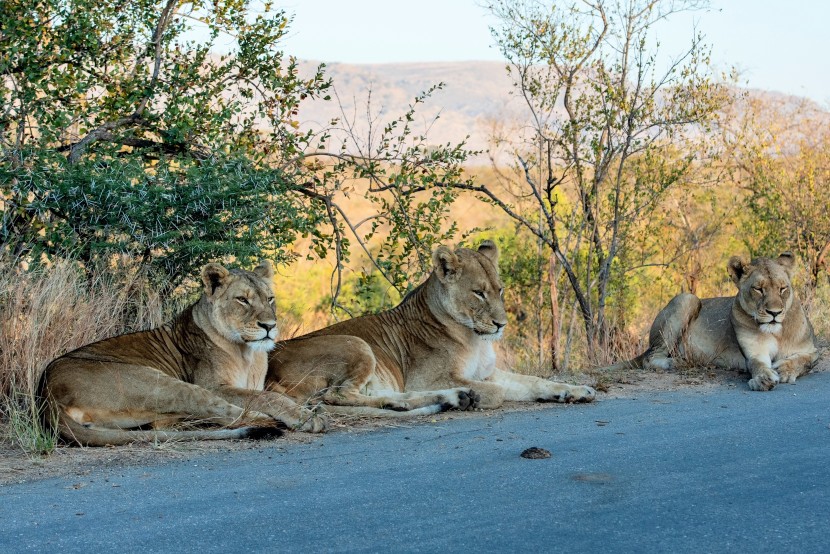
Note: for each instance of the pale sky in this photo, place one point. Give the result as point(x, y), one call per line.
point(777, 45)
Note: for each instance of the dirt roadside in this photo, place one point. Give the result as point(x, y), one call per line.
point(17, 467)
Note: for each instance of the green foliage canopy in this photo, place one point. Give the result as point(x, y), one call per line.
point(122, 131)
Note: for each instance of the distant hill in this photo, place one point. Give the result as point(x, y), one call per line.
point(475, 94)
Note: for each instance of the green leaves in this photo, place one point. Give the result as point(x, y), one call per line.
point(174, 219)
point(136, 70)
point(121, 134)
point(124, 134)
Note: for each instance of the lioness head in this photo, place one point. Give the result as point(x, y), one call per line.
point(764, 289)
point(241, 304)
point(472, 292)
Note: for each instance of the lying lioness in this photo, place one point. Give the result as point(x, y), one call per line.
point(434, 351)
point(208, 365)
point(762, 329)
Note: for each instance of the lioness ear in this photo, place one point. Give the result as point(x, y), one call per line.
point(786, 260)
point(213, 276)
point(446, 264)
point(489, 249)
point(736, 268)
point(264, 269)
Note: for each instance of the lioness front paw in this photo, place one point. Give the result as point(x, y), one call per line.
point(764, 379)
point(396, 405)
point(787, 371)
point(468, 399)
point(461, 399)
point(582, 394)
point(569, 394)
point(311, 422)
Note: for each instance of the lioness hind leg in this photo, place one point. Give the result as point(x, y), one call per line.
point(334, 368)
point(527, 387)
point(665, 338)
point(342, 370)
point(658, 359)
point(563, 392)
point(365, 411)
point(88, 435)
point(123, 396)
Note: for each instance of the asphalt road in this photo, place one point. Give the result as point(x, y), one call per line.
point(689, 471)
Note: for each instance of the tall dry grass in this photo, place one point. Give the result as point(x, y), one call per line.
point(46, 313)
point(817, 304)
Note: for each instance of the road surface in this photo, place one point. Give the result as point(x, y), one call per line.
point(686, 471)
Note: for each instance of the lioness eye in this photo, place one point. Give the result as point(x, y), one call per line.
point(501, 293)
point(242, 300)
point(271, 300)
point(784, 290)
point(758, 289)
point(479, 294)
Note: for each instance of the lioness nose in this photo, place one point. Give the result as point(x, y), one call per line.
point(266, 326)
point(774, 313)
point(498, 325)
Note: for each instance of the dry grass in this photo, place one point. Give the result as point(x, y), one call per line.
point(817, 305)
point(46, 313)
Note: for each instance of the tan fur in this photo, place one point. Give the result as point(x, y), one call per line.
point(433, 351)
point(762, 329)
point(207, 366)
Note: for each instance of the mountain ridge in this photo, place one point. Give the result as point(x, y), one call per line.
point(476, 94)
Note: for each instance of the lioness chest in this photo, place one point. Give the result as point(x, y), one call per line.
point(757, 345)
point(244, 371)
point(431, 367)
point(480, 362)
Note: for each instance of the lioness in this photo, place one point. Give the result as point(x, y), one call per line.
point(433, 351)
point(762, 329)
point(207, 365)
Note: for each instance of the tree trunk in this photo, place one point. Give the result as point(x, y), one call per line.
point(566, 361)
point(555, 316)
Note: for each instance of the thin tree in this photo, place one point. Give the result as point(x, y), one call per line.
point(606, 122)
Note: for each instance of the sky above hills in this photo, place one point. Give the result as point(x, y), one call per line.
point(775, 45)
